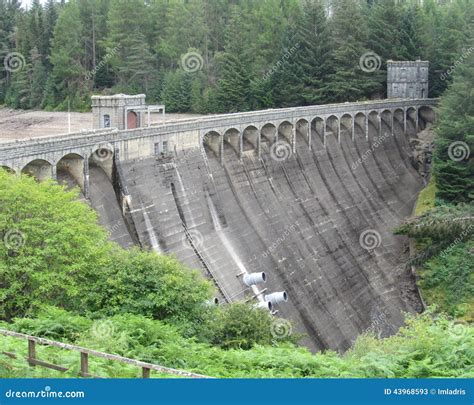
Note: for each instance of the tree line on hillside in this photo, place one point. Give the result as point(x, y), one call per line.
point(218, 56)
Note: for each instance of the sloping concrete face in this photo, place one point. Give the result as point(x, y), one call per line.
point(318, 221)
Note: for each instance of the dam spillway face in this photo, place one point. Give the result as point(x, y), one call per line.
point(316, 218)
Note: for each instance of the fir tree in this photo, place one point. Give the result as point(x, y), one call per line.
point(454, 166)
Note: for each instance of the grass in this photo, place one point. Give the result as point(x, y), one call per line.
point(426, 198)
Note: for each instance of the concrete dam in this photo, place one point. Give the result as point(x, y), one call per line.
point(307, 195)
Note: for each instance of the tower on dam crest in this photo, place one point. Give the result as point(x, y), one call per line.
point(407, 79)
point(122, 111)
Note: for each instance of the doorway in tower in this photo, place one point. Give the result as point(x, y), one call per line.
point(132, 120)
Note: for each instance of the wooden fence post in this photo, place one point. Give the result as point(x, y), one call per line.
point(84, 364)
point(145, 372)
point(31, 352)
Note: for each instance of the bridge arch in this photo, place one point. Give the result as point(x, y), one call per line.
point(70, 170)
point(303, 128)
point(213, 141)
point(411, 116)
point(232, 137)
point(40, 169)
point(386, 116)
point(251, 139)
point(286, 131)
point(269, 133)
point(332, 127)
point(103, 156)
point(347, 125)
point(318, 125)
point(374, 118)
point(8, 169)
point(426, 114)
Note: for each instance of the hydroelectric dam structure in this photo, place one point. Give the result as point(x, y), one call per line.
point(307, 195)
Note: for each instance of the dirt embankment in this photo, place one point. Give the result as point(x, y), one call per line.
point(21, 124)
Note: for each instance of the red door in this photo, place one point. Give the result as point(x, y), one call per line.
point(132, 120)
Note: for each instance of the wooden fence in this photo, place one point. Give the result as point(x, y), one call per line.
point(84, 357)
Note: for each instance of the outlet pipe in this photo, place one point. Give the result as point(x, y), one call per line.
point(254, 278)
point(277, 297)
point(265, 305)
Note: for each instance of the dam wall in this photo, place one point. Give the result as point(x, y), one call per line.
point(308, 195)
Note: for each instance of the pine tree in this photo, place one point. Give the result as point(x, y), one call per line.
point(300, 79)
point(233, 85)
point(346, 80)
point(454, 165)
point(38, 80)
point(132, 61)
point(67, 58)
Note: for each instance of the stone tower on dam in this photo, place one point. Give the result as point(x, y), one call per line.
point(407, 79)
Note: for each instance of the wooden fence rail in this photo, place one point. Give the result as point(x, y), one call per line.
point(84, 357)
